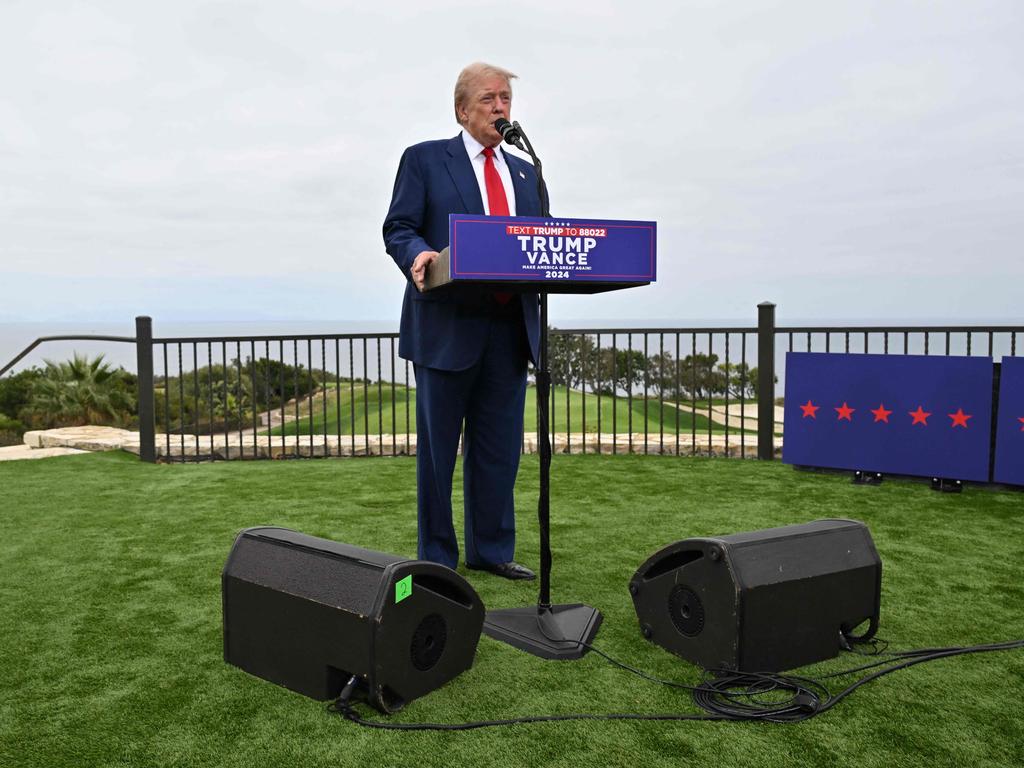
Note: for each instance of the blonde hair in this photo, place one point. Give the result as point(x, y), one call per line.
point(470, 74)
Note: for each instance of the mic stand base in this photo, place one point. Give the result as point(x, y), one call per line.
point(547, 631)
point(552, 632)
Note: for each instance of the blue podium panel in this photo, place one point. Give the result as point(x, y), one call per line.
point(899, 414)
point(523, 248)
point(1010, 423)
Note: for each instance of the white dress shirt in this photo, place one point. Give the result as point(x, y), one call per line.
point(475, 150)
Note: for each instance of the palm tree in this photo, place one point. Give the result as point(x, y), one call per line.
point(81, 391)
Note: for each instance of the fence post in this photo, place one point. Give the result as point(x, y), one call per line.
point(766, 380)
point(147, 407)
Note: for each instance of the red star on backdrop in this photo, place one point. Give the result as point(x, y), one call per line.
point(1021, 420)
point(881, 414)
point(809, 409)
point(845, 412)
point(959, 418)
point(920, 416)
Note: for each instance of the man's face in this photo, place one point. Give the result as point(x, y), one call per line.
point(489, 98)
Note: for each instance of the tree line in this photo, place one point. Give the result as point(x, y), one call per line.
point(74, 392)
point(86, 390)
point(221, 397)
point(575, 361)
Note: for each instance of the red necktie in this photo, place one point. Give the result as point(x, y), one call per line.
point(496, 201)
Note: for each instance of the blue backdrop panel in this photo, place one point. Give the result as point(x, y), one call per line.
point(900, 414)
point(1010, 423)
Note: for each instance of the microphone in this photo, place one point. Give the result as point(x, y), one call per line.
point(508, 131)
point(514, 134)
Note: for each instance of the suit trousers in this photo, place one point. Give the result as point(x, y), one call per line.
point(487, 399)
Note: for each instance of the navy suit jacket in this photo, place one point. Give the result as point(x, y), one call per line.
point(447, 327)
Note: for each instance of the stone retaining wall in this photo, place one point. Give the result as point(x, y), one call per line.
point(178, 447)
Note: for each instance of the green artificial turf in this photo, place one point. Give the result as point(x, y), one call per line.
point(110, 644)
point(371, 410)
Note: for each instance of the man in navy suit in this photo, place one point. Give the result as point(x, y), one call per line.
point(469, 346)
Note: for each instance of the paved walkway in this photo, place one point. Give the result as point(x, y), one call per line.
point(749, 414)
point(69, 440)
point(16, 452)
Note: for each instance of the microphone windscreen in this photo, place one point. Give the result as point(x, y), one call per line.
point(507, 131)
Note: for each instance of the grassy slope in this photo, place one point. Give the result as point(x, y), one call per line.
point(111, 640)
point(368, 411)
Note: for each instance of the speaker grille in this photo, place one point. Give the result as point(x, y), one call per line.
point(686, 610)
point(428, 642)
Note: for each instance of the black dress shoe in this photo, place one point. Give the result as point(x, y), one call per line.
point(509, 570)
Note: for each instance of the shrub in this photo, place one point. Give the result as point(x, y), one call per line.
point(81, 391)
point(11, 430)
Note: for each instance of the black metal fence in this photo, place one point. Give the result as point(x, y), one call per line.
point(682, 391)
point(615, 391)
point(279, 396)
point(678, 391)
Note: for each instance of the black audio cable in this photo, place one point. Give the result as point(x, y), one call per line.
point(724, 695)
point(345, 708)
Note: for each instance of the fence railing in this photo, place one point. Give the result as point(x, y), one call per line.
point(281, 396)
point(671, 390)
point(679, 391)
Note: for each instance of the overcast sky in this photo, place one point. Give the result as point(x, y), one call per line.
point(234, 160)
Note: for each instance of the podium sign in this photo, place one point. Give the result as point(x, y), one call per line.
point(559, 255)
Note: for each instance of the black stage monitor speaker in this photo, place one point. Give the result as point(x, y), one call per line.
point(309, 613)
point(762, 601)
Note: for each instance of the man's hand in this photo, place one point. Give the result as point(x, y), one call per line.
point(419, 268)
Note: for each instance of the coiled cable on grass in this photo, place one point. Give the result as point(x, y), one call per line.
point(725, 695)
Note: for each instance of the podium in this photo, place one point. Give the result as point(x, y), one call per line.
point(546, 255)
point(517, 254)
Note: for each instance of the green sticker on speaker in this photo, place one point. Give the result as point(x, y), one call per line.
point(403, 589)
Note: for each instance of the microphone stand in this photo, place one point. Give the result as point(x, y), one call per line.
point(549, 631)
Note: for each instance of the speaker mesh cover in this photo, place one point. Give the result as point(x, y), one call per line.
point(686, 610)
point(428, 642)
